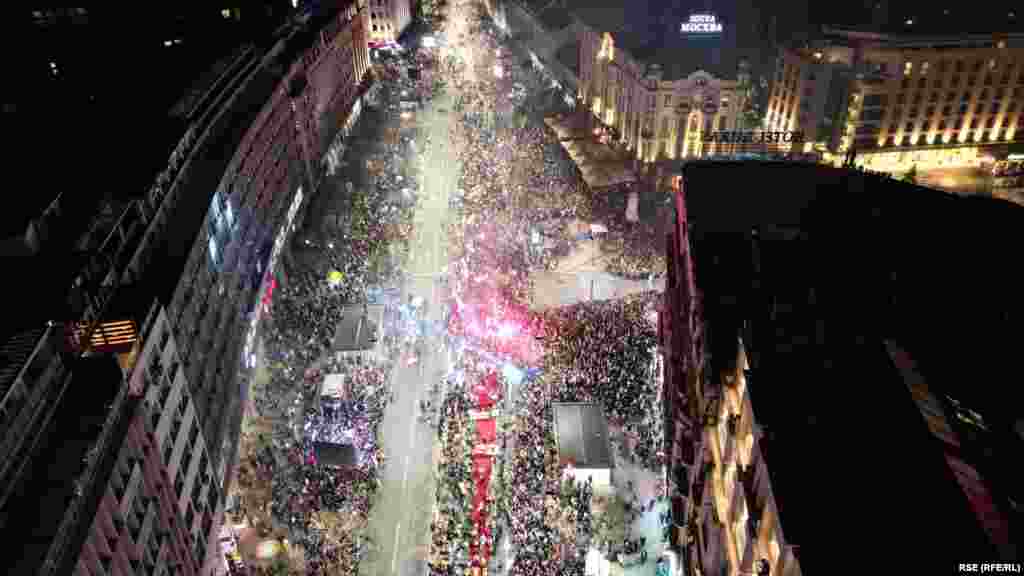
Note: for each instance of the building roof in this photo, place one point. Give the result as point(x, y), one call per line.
point(842, 261)
point(816, 444)
point(649, 30)
point(205, 174)
point(600, 165)
point(331, 454)
point(72, 81)
point(15, 352)
point(42, 292)
point(581, 431)
point(41, 496)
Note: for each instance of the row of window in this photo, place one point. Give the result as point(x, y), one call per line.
point(958, 66)
point(940, 126)
point(922, 139)
point(956, 80)
point(881, 100)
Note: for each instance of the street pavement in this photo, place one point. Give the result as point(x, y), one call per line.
point(400, 522)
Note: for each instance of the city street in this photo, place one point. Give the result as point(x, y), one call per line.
point(401, 519)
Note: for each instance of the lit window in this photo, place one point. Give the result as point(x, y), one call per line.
point(924, 68)
point(226, 13)
point(168, 43)
point(908, 67)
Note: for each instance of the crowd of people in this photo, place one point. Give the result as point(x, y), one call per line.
point(350, 250)
point(518, 201)
point(516, 208)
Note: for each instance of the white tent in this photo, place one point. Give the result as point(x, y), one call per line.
point(333, 386)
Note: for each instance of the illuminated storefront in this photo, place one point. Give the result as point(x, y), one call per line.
point(923, 159)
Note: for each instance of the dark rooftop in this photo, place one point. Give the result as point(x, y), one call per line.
point(74, 81)
point(31, 517)
point(581, 431)
point(910, 268)
point(330, 454)
point(847, 260)
point(41, 293)
point(209, 165)
point(864, 447)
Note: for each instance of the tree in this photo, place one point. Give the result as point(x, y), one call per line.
point(911, 175)
point(750, 116)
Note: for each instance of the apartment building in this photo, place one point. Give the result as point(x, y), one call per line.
point(116, 478)
point(388, 19)
point(788, 406)
point(203, 240)
point(811, 95)
point(942, 101)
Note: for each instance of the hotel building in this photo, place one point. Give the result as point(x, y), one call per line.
point(931, 101)
point(811, 406)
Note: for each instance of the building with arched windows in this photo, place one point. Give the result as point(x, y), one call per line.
point(662, 78)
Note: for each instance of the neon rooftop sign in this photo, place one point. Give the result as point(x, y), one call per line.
point(701, 24)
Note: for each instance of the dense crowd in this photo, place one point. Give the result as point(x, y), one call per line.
point(517, 207)
point(519, 200)
point(352, 253)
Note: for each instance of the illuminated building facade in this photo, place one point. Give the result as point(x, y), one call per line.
point(658, 111)
point(388, 19)
point(934, 102)
point(782, 379)
point(202, 243)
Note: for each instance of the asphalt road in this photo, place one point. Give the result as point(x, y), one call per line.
point(400, 521)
